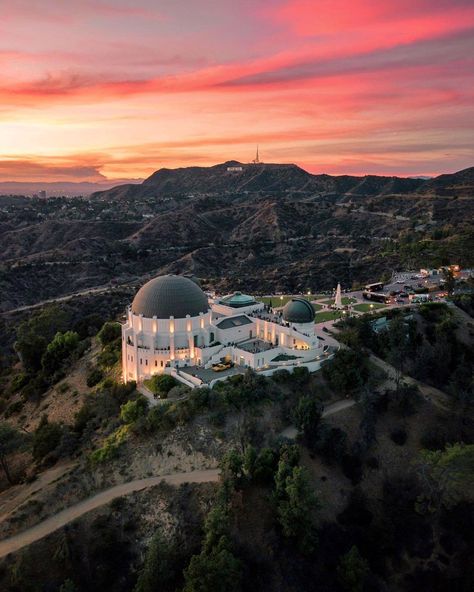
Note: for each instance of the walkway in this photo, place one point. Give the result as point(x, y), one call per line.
point(39, 531)
point(291, 431)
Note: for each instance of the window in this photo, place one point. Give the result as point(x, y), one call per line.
point(141, 362)
point(195, 340)
point(162, 363)
point(211, 336)
point(146, 362)
point(156, 362)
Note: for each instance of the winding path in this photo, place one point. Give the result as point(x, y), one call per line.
point(291, 431)
point(53, 523)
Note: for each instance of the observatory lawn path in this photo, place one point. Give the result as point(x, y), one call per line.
point(53, 523)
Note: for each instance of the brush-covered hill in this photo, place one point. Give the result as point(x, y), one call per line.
point(236, 177)
point(460, 184)
point(262, 228)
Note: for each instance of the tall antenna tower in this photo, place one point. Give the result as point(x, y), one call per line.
point(256, 159)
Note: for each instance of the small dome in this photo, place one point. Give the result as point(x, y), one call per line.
point(238, 300)
point(170, 296)
point(298, 310)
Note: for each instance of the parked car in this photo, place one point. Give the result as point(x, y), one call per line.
point(403, 295)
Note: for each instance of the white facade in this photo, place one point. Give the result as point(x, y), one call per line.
point(249, 337)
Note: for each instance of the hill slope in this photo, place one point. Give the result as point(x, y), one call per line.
point(223, 178)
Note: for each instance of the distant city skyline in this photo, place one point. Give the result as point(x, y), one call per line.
point(96, 90)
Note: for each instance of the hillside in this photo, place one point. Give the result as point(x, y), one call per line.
point(283, 481)
point(460, 184)
point(253, 178)
point(265, 228)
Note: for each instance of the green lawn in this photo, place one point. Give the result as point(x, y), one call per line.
point(367, 307)
point(275, 301)
point(327, 315)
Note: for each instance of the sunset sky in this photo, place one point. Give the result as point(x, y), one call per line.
point(94, 89)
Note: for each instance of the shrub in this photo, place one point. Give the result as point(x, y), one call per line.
point(434, 439)
point(58, 350)
point(131, 411)
point(352, 468)
point(19, 381)
point(109, 356)
point(399, 436)
point(63, 387)
point(330, 442)
point(347, 371)
point(94, 377)
point(110, 332)
point(15, 407)
point(161, 384)
point(111, 446)
point(46, 438)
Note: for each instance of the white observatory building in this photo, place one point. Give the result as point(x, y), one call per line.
point(173, 327)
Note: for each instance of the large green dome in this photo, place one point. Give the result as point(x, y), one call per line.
point(170, 296)
point(298, 310)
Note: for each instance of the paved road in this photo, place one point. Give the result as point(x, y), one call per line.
point(39, 531)
point(291, 432)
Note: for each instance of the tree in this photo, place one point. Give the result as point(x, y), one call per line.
point(352, 570)
point(347, 371)
point(161, 384)
point(369, 418)
point(60, 348)
point(110, 332)
point(295, 508)
point(46, 438)
point(11, 441)
point(449, 280)
point(289, 458)
point(34, 335)
point(446, 476)
point(94, 377)
point(398, 346)
point(232, 466)
point(265, 465)
point(217, 570)
point(131, 411)
point(250, 460)
point(307, 415)
point(157, 572)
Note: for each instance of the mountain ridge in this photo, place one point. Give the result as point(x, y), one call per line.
point(272, 177)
